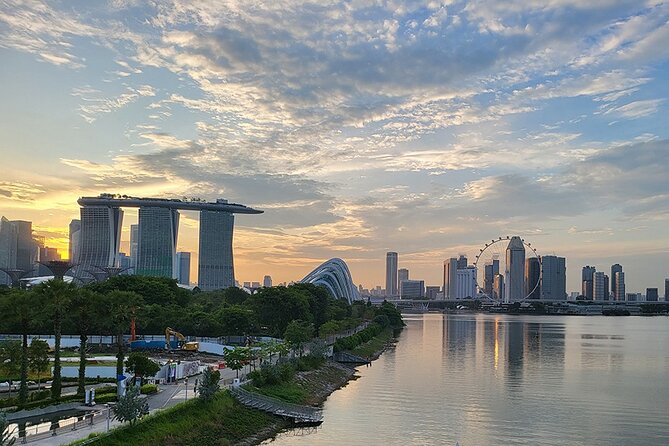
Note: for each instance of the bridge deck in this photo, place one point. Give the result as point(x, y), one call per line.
point(300, 414)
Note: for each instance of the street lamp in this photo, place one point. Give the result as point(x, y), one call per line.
point(186, 389)
point(108, 415)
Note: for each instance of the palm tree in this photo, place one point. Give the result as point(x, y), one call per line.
point(121, 306)
point(57, 295)
point(86, 306)
point(19, 308)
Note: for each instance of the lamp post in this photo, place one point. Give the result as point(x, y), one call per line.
point(108, 415)
point(186, 389)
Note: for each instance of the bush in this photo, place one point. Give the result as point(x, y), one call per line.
point(105, 398)
point(106, 390)
point(148, 389)
point(351, 342)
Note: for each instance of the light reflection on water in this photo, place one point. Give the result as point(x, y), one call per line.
point(508, 380)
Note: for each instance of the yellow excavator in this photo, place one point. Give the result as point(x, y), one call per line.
point(180, 341)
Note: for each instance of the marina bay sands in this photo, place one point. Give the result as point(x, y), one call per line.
point(158, 228)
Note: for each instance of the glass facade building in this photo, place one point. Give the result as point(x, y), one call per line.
point(100, 237)
point(216, 269)
point(157, 244)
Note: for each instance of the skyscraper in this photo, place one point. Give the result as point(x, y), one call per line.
point(617, 268)
point(26, 248)
point(587, 278)
point(491, 270)
point(462, 261)
point(620, 286)
point(498, 291)
point(532, 276)
point(8, 245)
point(666, 290)
point(157, 245)
point(267, 281)
point(100, 237)
point(75, 236)
point(134, 244)
point(553, 278)
point(515, 270)
point(450, 278)
point(652, 294)
point(183, 268)
point(216, 269)
point(412, 289)
point(391, 274)
point(402, 274)
point(599, 286)
point(466, 283)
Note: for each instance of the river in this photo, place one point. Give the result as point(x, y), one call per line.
point(482, 379)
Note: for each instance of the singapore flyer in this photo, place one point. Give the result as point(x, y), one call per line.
point(508, 269)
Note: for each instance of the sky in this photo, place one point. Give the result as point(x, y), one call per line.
point(359, 127)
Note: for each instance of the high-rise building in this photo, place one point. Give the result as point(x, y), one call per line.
point(491, 270)
point(553, 278)
point(75, 235)
point(183, 268)
point(450, 278)
point(26, 248)
point(412, 289)
point(617, 268)
point(587, 280)
point(498, 291)
point(46, 255)
point(620, 286)
point(100, 237)
point(124, 262)
point(515, 270)
point(532, 276)
point(466, 283)
point(255, 285)
point(8, 246)
point(216, 268)
point(652, 294)
point(462, 261)
point(157, 247)
point(607, 294)
point(402, 274)
point(134, 244)
point(267, 282)
point(391, 274)
point(666, 290)
point(431, 292)
point(599, 286)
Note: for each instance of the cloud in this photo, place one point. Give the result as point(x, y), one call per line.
point(636, 109)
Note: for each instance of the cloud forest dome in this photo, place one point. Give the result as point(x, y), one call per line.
point(335, 276)
point(350, 118)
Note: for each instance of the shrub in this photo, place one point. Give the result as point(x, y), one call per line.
point(149, 389)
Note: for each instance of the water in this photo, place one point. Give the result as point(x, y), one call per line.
point(508, 380)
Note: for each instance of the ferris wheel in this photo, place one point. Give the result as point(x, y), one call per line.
point(491, 263)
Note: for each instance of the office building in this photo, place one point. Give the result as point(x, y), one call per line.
point(450, 278)
point(666, 290)
point(8, 246)
point(498, 291)
point(587, 280)
point(124, 262)
point(617, 268)
point(466, 283)
point(599, 286)
point(553, 278)
point(620, 286)
point(402, 274)
point(100, 237)
point(412, 289)
point(26, 247)
point(183, 268)
point(157, 244)
point(515, 270)
point(490, 271)
point(532, 278)
point(391, 274)
point(75, 235)
point(267, 282)
point(216, 268)
point(462, 262)
point(431, 292)
point(632, 297)
point(134, 244)
point(652, 294)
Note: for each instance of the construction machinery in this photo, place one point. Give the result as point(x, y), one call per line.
point(180, 341)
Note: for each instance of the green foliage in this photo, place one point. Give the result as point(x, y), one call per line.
point(5, 439)
point(383, 320)
point(236, 358)
point(298, 333)
point(272, 374)
point(38, 357)
point(148, 389)
point(209, 384)
point(139, 364)
point(350, 342)
point(236, 320)
point(130, 407)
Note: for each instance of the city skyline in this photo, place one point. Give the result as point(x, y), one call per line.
point(423, 129)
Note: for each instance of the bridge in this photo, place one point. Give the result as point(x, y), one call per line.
point(300, 415)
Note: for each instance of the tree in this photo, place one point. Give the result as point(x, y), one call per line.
point(86, 307)
point(10, 358)
point(236, 320)
point(131, 406)
point(298, 333)
point(140, 365)
point(121, 307)
point(236, 358)
point(19, 307)
point(209, 384)
point(328, 329)
point(38, 358)
point(5, 435)
point(57, 295)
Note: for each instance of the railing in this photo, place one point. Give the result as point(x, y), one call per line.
point(41, 431)
point(277, 407)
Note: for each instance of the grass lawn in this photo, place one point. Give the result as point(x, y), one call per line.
point(290, 392)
